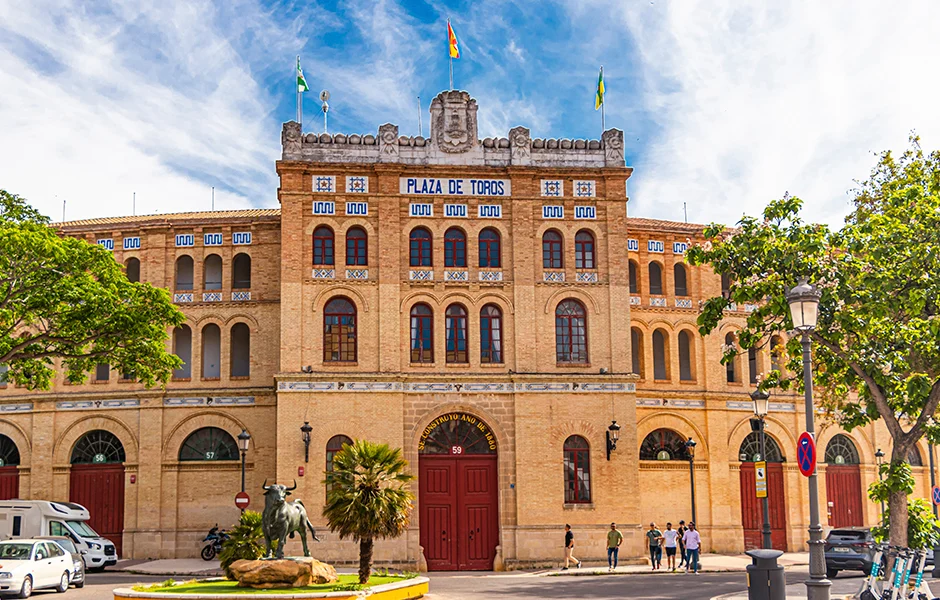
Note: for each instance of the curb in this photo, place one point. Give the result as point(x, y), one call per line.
point(743, 596)
point(190, 575)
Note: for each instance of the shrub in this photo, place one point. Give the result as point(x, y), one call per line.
point(245, 542)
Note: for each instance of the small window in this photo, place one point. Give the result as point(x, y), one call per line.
point(102, 372)
point(490, 253)
point(663, 444)
point(656, 279)
point(577, 465)
point(183, 348)
point(841, 451)
point(726, 286)
point(336, 443)
point(98, 447)
point(552, 250)
point(339, 331)
point(422, 334)
point(357, 247)
point(752, 364)
point(634, 278)
point(491, 334)
point(132, 269)
point(211, 351)
point(455, 325)
point(209, 443)
point(750, 449)
point(682, 281)
point(323, 246)
point(241, 272)
point(240, 350)
point(584, 250)
point(570, 332)
point(636, 350)
point(212, 268)
point(17, 526)
point(660, 365)
point(455, 248)
point(685, 356)
point(184, 273)
point(730, 373)
point(419, 248)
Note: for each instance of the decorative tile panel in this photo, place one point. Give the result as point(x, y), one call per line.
point(456, 211)
point(749, 406)
point(93, 404)
point(583, 189)
point(324, 273)
point(655, 246)
point(212, 239)
point(658, 302)
point(185, 240)
point(132, 243)
point(212, 296)
point(553, 187)
point(553, 211)
point(683, 303)
point(490, 211)
point(107, 244)
point(634, 300)
point(16, 408)
point(586, 277)
point(241, 296)
point(210, 401)
point(357, 273)
point(357, 209)
point(241, 238)
point(324, 183)
point(481, 387)
point(679, 247)
point(490, 275)
point(421, 275)
point(633, 245)
point(324, 208)
point(750, 307)
point(554, 276)
point(357, 184)
point(418, 209)
point(585, 212)
point(733, 306)
point(181, 298)
point(671, 402)
point(456, 276)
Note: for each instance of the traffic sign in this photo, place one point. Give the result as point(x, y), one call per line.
point(935, 494)
point(806, 454)
point(760, 472)
point(242, 500)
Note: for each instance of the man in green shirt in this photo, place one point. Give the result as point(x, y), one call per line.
point(614, 539)
point(655, 536)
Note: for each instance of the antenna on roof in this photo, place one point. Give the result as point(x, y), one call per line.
point(213, 198)
point(134, 204)
point(685, 211)
point(324, 96)
point(63, 210)
point(420, 133)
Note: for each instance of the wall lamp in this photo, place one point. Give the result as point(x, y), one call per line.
point(613, 434)
point(305, 430)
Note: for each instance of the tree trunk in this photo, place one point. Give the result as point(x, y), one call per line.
point(365, 555)
point(897, 506)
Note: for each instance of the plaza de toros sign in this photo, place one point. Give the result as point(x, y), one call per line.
point(432, 186)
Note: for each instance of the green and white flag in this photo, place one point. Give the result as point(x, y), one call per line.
point(301, 82)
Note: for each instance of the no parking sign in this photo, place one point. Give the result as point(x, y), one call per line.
point(935, 495)
point(806, 454)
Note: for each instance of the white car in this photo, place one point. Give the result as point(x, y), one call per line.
point(27, 565)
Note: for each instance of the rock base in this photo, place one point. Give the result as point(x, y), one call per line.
point(284, 573)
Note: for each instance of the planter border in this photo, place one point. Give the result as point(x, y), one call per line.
point(399, 590)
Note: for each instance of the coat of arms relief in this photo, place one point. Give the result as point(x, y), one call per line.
point(454, 122)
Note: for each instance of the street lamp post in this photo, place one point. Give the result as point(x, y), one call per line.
point(761, 407)
point(243, 438)
point(879, 457)
point(804, 302)
point(690, 450)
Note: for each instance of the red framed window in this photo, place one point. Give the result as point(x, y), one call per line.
point(420, 247)
point(455, 248)
point(323, 246)
point(552, 249)
point(570, 332)
point(422, 334)
point(584, 250)
point(577, 464)
point(455, 325)
point(357, 247)
point(490, 253)
point(339, 331)
point(491, 334)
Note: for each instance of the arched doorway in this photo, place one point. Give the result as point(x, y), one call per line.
point(752, 514)
point(843, 483)
point(9, 469)
point(97, 483)
point(458, 498)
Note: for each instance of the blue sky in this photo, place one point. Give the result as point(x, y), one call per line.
point(725, 104)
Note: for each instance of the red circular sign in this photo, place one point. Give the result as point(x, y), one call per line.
point(806, 454)
point(242, 500)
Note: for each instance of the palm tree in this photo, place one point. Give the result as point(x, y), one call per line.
point(367, 497)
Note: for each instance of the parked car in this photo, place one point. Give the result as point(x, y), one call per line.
point(27, 565)
point(78, 565)
point(849, 549)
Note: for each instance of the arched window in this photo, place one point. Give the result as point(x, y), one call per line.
point(455, 327)
point(570, 332)
point(339, 331)
point(490, 253)
point(660, 364)
point(455, 248)
point(132, 269)
point(422, 334)
point(323, 245)
point(184, 272)
point(776, 353)
point(241, 272)
point(211, 351)
point(240, 351)
point(98, 447)
point(357, 247)
point(420, 247)
point(636, 350)
point(663, 444)
point(730, 373)
point(685, 356)
point(726, 286)
point(209, 443)
point(913, 457)
point(183, 348)
point(752, 364)
point(634, 278)
point(577, 465)
point(841, 451)
point(584, 250)
point(212, 272)
point(656, 279)
point(336, 443)
point(491, 334)
point(750, 449)
point(552, 250)
point(9, 453)
point(682, 279)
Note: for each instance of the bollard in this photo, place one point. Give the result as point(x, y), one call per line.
point(765, 578)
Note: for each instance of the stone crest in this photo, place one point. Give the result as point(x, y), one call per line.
point(454, 122)
point(520, 145)
point(612, 142)
point(388, 143)
point(291, 140)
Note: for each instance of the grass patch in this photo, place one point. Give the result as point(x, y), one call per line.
point(345, 583)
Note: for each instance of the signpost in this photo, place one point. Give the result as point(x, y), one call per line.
point(242, 500)
point(760, 472)
point(806, 454)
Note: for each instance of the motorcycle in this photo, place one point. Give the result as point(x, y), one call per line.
point(215, 537)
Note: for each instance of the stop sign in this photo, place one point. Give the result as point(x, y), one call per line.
point(242, 500)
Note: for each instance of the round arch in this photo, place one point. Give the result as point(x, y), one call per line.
point(569, 292)
point(863, 445)
point(325, 295)
point(62, 453)
point(23, 445)
point(189, 425)
point(776, 429)
point(678, 423)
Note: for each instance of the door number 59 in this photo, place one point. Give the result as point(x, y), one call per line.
point(456, 449)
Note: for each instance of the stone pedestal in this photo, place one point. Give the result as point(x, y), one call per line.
point(284, 573)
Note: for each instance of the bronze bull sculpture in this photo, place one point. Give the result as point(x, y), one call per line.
point(282, 518)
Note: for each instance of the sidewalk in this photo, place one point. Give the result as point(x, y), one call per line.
point(710, 563)
point(176, 567)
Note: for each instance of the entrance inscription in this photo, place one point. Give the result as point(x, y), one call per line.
point(482, 437)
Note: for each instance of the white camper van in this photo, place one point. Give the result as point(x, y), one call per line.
point(36, 518)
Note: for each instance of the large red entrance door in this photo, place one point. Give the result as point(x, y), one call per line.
point(752, 510)
point(100, 489)
point(458, 512)
point(9, 483)
point(844, 495)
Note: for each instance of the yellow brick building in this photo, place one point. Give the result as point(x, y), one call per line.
point(486, 305)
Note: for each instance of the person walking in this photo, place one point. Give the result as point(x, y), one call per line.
point(683, 559)
point(670, 541)
point(569, 547)
point(655, 537)
point(614, 539)
point(693, 542)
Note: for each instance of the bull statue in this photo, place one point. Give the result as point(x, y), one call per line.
point(282, 518)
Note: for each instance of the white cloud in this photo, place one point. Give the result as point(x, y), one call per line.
point(515, 50)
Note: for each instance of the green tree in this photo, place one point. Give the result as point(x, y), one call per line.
point(877, 342)
point(63, 299)
point(244, 541)
point(368, 497)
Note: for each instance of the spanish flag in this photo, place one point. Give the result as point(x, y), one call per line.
point(452, 41)
point(599, 96)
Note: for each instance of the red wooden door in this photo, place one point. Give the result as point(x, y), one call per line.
point(438, 511)
point(9, 482)
point(844, 495)
point(752, 511)
point(100, 489)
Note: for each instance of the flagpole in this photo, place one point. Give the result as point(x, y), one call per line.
point(603, 102)
point(450, 55)
point(300, 114)
point(451, 72)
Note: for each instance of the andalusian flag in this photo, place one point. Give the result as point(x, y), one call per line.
point(452, 41)
point(599, 96)
point(301, 82)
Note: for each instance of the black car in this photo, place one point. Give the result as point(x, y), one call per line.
point(849, 549)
